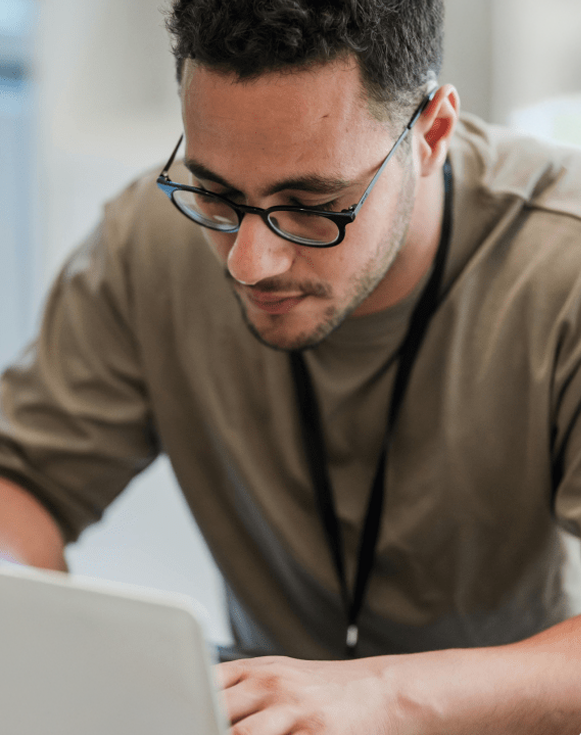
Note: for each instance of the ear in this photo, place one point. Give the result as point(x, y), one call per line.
point(436, 127)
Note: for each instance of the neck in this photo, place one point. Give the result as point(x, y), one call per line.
point(417, 253)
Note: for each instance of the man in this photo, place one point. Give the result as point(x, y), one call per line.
point(350, 312)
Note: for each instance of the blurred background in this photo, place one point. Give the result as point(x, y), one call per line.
point(88, 100)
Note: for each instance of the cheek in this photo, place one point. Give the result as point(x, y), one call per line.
point(335, 267)
point(325, 265)
point(357, 249)
point(219, 244)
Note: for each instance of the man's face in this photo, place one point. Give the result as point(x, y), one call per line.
point(305, 139)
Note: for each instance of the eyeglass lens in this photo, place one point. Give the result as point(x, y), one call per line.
point(206, 210)
point(302, 227)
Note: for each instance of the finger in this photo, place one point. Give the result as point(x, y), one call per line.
point(230, 673)
point(245, 699)
point(270, 721)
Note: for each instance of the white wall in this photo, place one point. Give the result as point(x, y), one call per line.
point(536, 53)
point(108, 108)
point(509, 57)
point(17, 95)
point(467, 53)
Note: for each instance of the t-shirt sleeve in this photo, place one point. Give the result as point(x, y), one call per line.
point(75, 421)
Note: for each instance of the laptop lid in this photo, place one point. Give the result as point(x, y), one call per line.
point(80, 656)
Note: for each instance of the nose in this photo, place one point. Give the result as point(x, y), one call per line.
point(257, 253)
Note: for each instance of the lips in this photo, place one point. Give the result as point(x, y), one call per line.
point(274, 303)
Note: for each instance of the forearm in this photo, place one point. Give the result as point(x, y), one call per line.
point(532, 687)
point(528, 688)
point(28, 533)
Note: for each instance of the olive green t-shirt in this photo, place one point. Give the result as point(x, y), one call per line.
point(143, 350)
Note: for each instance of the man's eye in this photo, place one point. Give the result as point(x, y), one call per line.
point(325, 207)
point(231, 196)
point(206, 189)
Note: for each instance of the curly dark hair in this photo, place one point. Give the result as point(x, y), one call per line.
point(398, 43)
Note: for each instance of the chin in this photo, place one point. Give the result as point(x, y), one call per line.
point(281, 334)
point(286, 343)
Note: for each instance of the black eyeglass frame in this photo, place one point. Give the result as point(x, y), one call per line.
point(341, 219)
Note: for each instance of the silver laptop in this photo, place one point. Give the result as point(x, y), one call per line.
point(79, 657)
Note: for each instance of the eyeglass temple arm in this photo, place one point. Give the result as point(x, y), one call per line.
point(167, 166)
point(415, 117)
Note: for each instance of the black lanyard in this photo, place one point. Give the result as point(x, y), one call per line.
point(314, 445)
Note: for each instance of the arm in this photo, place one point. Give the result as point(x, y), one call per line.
point(532, 687)
point(75, 419)
point(28, 533)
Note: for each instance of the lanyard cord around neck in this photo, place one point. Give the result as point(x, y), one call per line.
point(314, 445)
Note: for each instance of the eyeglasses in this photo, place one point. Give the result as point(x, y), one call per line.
point(310, 227)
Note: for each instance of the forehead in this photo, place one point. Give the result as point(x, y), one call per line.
point(314, 118)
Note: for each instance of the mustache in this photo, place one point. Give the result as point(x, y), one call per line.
point(273, 285)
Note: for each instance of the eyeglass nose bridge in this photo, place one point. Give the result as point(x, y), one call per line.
point(243, 209)
point(341, 220)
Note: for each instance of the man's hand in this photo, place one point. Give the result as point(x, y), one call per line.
point(527, 688)
point(278, 696)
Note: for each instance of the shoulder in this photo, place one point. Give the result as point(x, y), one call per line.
point(159, 248)
point(517, 226)
point(502, 163)
point(516, 197)
point(141, 215)
point(154, 265)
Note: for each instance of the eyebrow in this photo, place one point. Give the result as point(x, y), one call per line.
point(311, 182)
